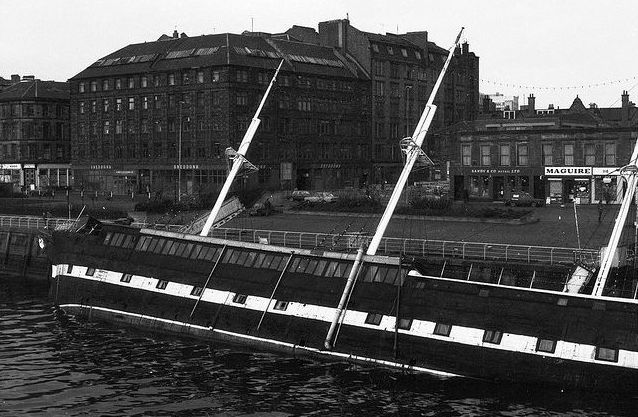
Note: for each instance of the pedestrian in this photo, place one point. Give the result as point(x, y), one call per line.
point(600, 210)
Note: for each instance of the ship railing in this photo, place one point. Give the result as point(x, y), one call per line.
point(417, 247)
point(35, 222)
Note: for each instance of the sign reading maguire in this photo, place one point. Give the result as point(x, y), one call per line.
point(568, 171)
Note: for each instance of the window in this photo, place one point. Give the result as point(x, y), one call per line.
point(145, 103)
point(105, 85)
point(93, 86)
point(492, 336)
point(404, 52)
point(442, 329)
point(93, 106)
point(546, 345)
point(200, 77)
point(606, 354)
point(215, 76)
point(568, 152)
point(379, 88)
point(144, 81)
point(69, 269)
point(504, 155)
point(379, 68)
point(242, 98)
point(589, 149)
point(81, 87)
point(240, 298)
point(390, 50)
point(131, 82)
point(375, 47)
point(197, 291)
point(417, 54)
point(107, 127)
point(404, 324)
point(548, 154)
point(374, 319)
point(485, 155)
point(105, 105)
point(241, 76)
point(126, 278)
point(90, 272)
point(171, 79)
point(466, 154)
point(186, 78)
point(610, 154)
point(118, 127)
point(161, 284)
point(156, 80)
point(281, 305)
point(521, 150)
point(81, 107)
point(118, 104)
point(131, 103)
point(118, 83)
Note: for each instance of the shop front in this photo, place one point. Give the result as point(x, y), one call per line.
point(496, 184)
point(583, 185)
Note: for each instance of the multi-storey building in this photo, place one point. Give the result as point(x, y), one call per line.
point(140, 111)
point(564, 155)
point(403, 69)
point(34, 134)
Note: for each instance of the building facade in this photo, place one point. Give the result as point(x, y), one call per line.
point(562, 156)
point(402, 70)
point(34, 135)
point(151, 113)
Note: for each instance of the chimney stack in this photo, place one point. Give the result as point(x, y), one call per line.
point(625, 106)
point(15, 78)
point(531, 104)
point(175, 34)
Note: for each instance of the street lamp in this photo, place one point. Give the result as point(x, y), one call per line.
point(179, 156)
point(407, 109)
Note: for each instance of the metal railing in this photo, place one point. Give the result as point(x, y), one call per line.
point(26, 222)
point(416, 247)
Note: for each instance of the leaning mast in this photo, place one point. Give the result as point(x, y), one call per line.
point(412, 148)
point(239, 158)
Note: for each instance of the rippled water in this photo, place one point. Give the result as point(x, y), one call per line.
point(54, 365)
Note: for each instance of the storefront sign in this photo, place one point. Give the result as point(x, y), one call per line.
point(100, 167)
point(190, 166)
point(606, 171)
point(124, 172)
point(495, 171)
point(568, 171)
point(330, 165)
point(10, 166)
point(28, 166)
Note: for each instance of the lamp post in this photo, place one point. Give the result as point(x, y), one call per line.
point(407, 109)
point(179, 156)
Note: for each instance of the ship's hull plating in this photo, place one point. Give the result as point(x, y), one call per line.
point(449, 326)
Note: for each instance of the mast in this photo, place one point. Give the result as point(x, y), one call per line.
point(412, 148)
point(629, 172)
point(239, 158)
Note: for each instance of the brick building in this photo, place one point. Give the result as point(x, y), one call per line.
point(34, 134)
point(403, 69)
point(136, 109)
point(565, 155)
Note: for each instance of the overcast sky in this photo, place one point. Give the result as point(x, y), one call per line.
point(542, 47)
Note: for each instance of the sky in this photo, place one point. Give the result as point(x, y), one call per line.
point(553, 49)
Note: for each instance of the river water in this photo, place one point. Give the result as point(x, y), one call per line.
point(53, 365)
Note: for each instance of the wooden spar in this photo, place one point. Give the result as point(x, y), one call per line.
point(629, 172)
point(412, 154)
point(239, 158)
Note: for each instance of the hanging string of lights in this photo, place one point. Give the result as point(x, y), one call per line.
point(555, 88)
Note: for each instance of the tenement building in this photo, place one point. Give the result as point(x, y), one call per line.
point(153, 112)
point(34, 134)
point(562, 155)
point(403, 69)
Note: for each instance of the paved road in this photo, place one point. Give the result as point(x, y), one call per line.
point(556, 226)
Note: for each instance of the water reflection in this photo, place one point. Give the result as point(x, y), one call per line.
point(55, 365)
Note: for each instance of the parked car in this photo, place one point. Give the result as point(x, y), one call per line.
point(299, 195)
point(322, 197)
point(523, 198)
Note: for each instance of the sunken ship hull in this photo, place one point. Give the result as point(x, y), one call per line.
point(492, 321)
